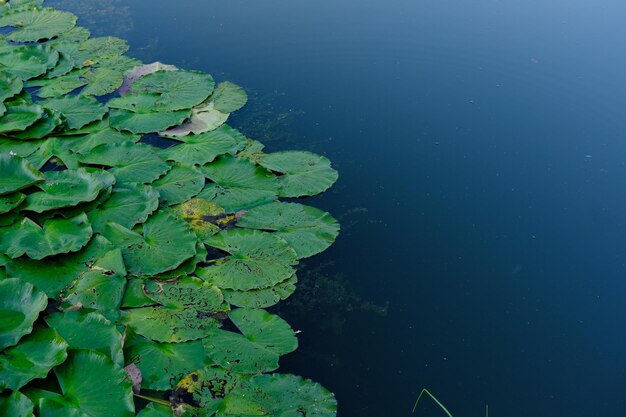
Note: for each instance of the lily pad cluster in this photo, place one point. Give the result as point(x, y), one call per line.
point(133, 270)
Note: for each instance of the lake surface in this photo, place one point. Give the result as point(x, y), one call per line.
point(481, 146)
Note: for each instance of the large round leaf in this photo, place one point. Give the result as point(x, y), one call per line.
point(204, 147)
point(264, 337)
point(95, 385)
point(229, 97)
point(10, 201)
point(279, 395)
point(307, 230)
point(88, 331)
point(16, 405)
point(129, 204)
point(49, 121)
point(304, 173)
point(262, 298)
point(28, 61)
point(10, 85)
point(184, 310)
point(144, 121)
point(35, 24)
point(163, 244)
point(19, 117)
point(207, 387)
point(174, 90)
point(54, 274)
point(56, 236)
point(32, 358)
point(162, 365)
point(130, 162)
point(78, 110)
point(64, 189)
point(16, 173)
point(203, 216)
point(202, 119)
point(258, 260)
point(238, 184)
point(20, 305)
point(179, 184)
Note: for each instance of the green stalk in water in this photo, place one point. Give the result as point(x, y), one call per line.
point(425, 390)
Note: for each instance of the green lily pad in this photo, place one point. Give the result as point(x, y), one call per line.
point(53, 151)
point(16, 405)
point(96, 386)
point(146, 121)
point(35, 24)
point(204, 147)
point(56, 236)
point(134, 295)
point(279, 395)
point(307, 230)
point(162, 244)
point(20, 305)
point(139, 71)
point(10, 201)
point(229, 97)
point(56, 87)
point(101, 287)
point(54, 274)
point(129, 204)
point(179, 184)
point(64, 189)
point(32, 358)
point(91, 330)
point(130, 162)
point(202, 119)
point(184, 310)
point(19, 147)
point(262, 298)
point(95, 50)
point(264, 338)
point(27, 61)
point(19, 117)
point(304, 173)
point(207, 387)
point(16, 174)
point(238, 184)
point(155, 410)
point(10, 85)
point(163, 365)
point(49, 121)
point(174, 90)
point(101, 81)
point(78, 110)
point(257, 260)
point(84, 144)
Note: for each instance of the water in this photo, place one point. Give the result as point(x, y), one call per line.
point(481, 147)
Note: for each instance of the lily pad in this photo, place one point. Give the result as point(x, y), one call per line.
point(258, 260)
point(95, 50)
point(54, 274)
point(263, 298)
point(99, 288)
point(162, 244)
point(203, 216)
point(27, 61)
point(35, 24)
point(78, 110)
point(49, 121)
point(304, 173)
point(19, 117)
point(204, 147)
point(307, 230)
point(207, 387)
point(63, 189)
point(16, 405)
point(92, 330)
point(155, 410)
point(32, 358)
point(238, 184)
point(146, 121)
point(179, 184)
point(10, 201)
point(16, 174)
point(101, 81)
point(174, 90)
point(202, 119)
point(56, 236)
point(96, 386)
point(139, 71)
point(130, 162)
point(229, 97)
point(264, 338)
point(184, 310)
point(162, 365)
point(129, 204)
point(10, 85)
point(20, 305)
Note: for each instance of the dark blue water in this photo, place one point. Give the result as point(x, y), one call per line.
point(482, 147)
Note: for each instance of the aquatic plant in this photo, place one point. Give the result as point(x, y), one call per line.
point(133, 271)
